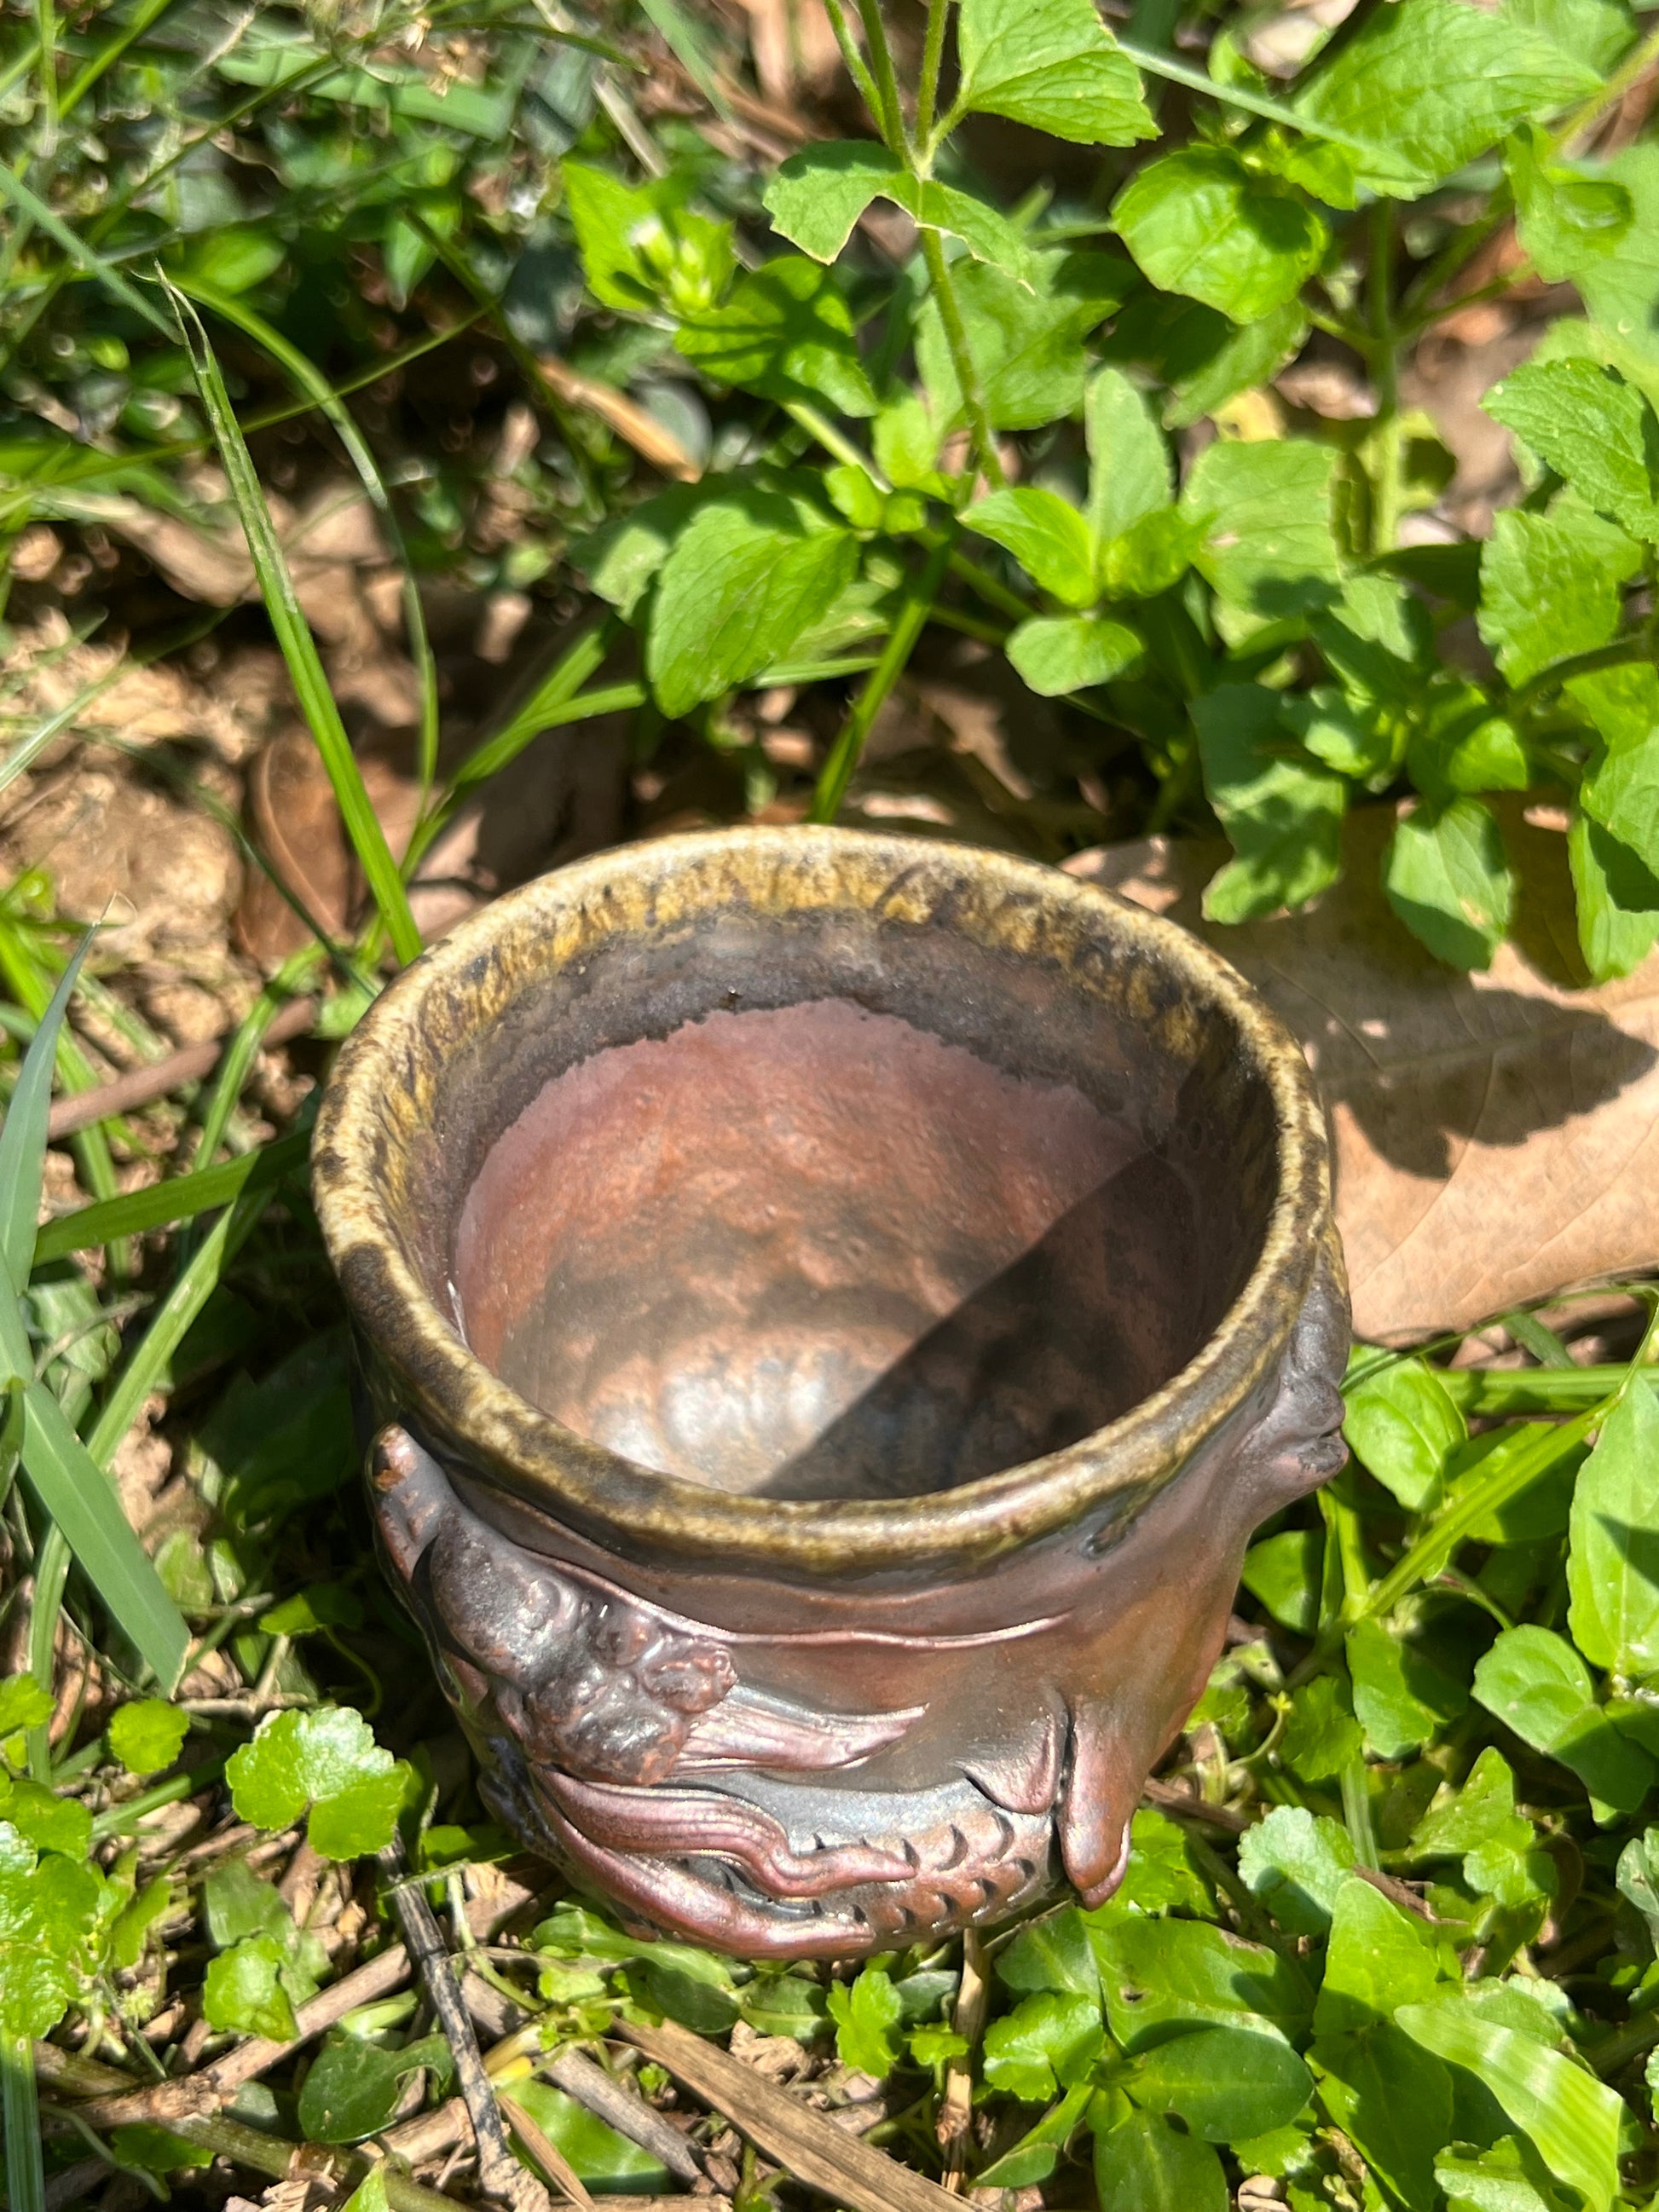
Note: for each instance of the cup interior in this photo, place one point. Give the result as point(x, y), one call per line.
point(825, 1205)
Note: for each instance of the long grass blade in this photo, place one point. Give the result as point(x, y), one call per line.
point(23, 1137)
point(299, 647)
point(19, 2123)
point(179, 1199)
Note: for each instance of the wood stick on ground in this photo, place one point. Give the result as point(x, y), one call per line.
point(805, 2144)
point(554, 2166)
point(620, 2104)
point(142, 1086)
point(955, 2110)
point(500, 2175)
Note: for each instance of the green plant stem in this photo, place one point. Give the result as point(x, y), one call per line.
point(1634, 66)
point(890, 114)
point(1385, 368)
point(852, 59)
point(296, 974)
point(1616, 2050)
point(46, 21)
point(1250, 103)
point(122, 1820)
point(111, 52)
point(1357, 1815)
point(52, 1566)
point(1620, 653)
point(933, 54)
point(19, 2123)
point(834, 439)
point(844, 754)
point(77, 251)
point(962, 359)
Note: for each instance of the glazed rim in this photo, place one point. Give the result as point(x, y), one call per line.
point(384, 1077)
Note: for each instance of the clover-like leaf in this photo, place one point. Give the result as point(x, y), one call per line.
point(145, 1736)
point(243, 1993)
point(867, 2012)
point(327, 1763)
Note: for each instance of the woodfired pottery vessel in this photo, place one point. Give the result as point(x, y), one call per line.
point(834, 1309)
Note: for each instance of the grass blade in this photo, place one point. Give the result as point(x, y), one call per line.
point(299, 647)
point(23, 1137)
point(179, 1199)
point(19, 2123)
point(74, 1490)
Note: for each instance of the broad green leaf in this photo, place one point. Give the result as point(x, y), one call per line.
point(1052, 64)
point(1058, 653)
point(641, 245)
point(1283, 1571)
point(621, 558)
point(1621, 288)
point(1266, 506)
point(784, 2004)
point(1402, 1422)
point(1322, 1736)
point(1200, 222)
point(1594, 32)
point(1130, 477)
point(1161, 1874)
point(44, 1821)
point(1282, 814)
point(145, 1737)
point(1614, 939)
point(906, 444)
point(1565, 216)
point(604, 2159)
point(1639, 1878)
point(1026, 340)
point(158, 2150)
point(1145, 2166)
point(1046, 535)
point(1592, 428)
point(785, 332)
point(743, 581)
point(237, 1904)
point(352, 2087)
point(1225, 2083)
point(1211, 359)
point(24, 1704)
point(1402, 1699)
point(1449, 880)
point(1501, 2179)
point(48, 1916)
point(866, 2011)
point(1053, 1954)
point(1298, 1865)
point(1539, 1509)
point(1572, 2119)
point(1036, 2153)
point(1450, 81)
point(1549, 586)
point(818, 196)
point(1535, 1683)
point(243, 1993)
point(1393, 2100)
point(1479, 1824)
point(1612, 1565)
point(1149, 558)
point(325, 1761)
point(1049, 2041)
point(1461, 747)
point(1156, 1975)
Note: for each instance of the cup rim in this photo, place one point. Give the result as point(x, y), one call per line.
point(503, 1439)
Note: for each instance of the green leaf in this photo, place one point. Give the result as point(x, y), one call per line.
point(1025, 339)
point(1046, 535)
point(1130, 477)
point(1615, 940)
point(743, 581)
point(787, 333)
point(48, 1915)
point(1621, 288)
point(1050, 2040)
point(1150, 557)
point(1612, 1565)
point(1298, 1865)
point(1572, 2120)
point(1200, 222)
point(784, 2004)
point(48, 1822)
point(158, 2150)
point(1059, 654)
point(1481, 1813)
point(243, 1993)
point(1549, 586)
point(1162, 1874)
point(1321, 1735)
point(1403, 1424)
point(1158, 1975)
point(866, 2011)
point(1591, 427)
point(326, 1760)
point(1208, 361)
point(1145, 2166)
point(23, 1135)
point(23, 1705)
point(354, 2085)
point(1402, 1699)
point(1393, 2100)
point(1638, 1879)
point(818, 196)
point(1265, 506)
point(1460, 746)
point(145, 1737)
point(1036, 2153)
point(1621, 794)
point(1565, 215)
point(604, 2159)
point(1449, 880)
point(1283, 1573)
point(1535, 1683)
point(1450, 80)
point(1501, 2179)
point(690, 1985)
point(1053, 1954)
point(1052, 64)
point(1594, 32)
point(1283, 814)
point(641, 245)
point(1225, 2083)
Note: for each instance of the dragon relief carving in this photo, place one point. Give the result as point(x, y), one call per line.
point(596, 1711)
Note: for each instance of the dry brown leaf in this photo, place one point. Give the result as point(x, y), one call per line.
point(812, 2148)
point(1496, 1135)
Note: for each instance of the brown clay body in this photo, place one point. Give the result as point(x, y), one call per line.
point(835, 1308)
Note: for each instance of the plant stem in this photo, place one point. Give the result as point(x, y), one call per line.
point(1620, 653)
point(854, 59)
point(844, 754)
point(1252, 103)
point(19, 2123)
point(932, 54)
point(1385, 362)
point(1634, 67)
point(889, 112)
point(52, 1566)
point(122, 1819)
point(962, 359)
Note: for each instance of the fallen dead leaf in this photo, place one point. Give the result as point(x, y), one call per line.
point(1496, 1136)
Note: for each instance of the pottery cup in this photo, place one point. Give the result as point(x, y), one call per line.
point(834, 1308)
